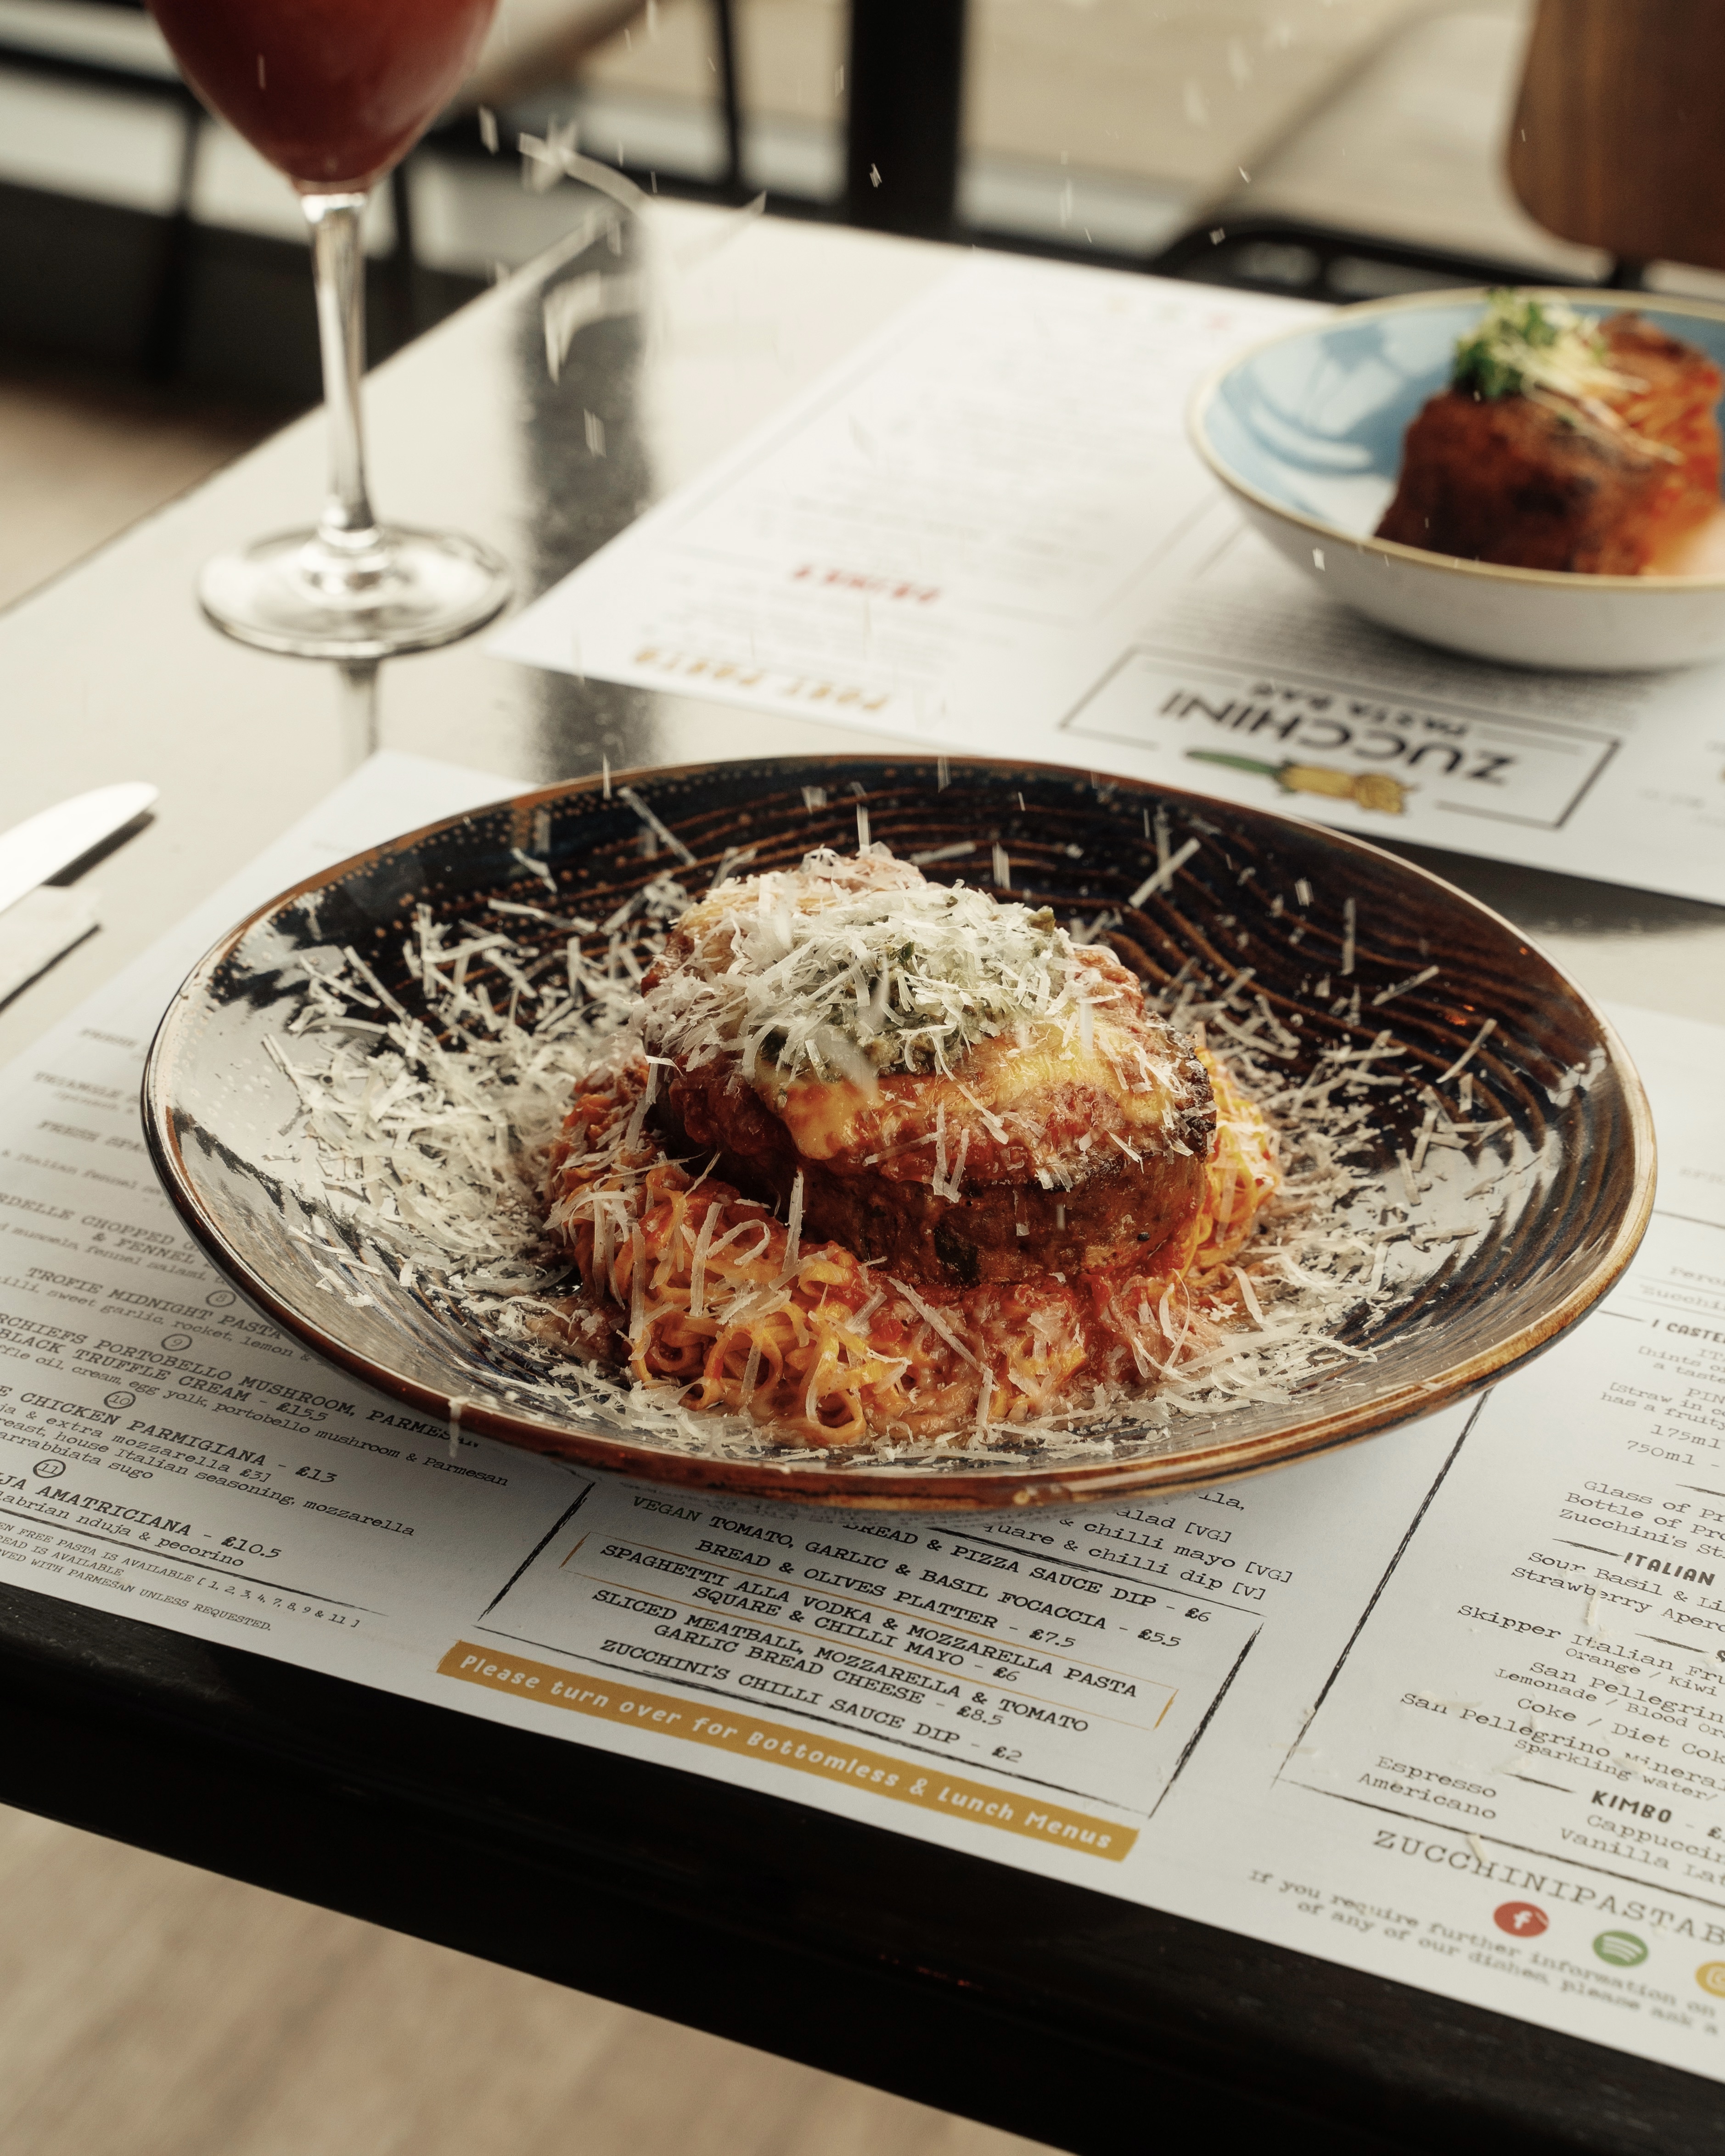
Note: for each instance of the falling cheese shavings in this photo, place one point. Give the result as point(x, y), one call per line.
point(568, 308)
point(666, 837)
point(574, 921)
point(733, 858)
point(1468, 1054)
point(548, 159)
point(1401, 988)
point(538, 869)
point(1162, 874)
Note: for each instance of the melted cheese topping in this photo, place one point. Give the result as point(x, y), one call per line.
point(1009, 1109)
point(938, 1033)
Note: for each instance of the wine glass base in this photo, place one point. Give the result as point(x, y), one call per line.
point(439, 587)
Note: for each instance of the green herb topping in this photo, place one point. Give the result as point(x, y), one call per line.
point(1522, 344)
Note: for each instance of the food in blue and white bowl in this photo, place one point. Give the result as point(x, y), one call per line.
point(1557, 454)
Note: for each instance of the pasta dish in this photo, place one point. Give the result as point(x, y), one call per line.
point(879, 1158)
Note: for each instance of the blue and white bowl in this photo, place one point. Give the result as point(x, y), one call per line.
point(1305, 432)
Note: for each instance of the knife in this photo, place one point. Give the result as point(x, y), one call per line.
point(42, 845)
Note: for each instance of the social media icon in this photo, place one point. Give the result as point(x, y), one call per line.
point(1521, 1920)
point(1622, 1950)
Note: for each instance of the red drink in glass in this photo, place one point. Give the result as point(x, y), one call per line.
point(334, 92)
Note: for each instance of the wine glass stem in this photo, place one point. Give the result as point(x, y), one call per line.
point(347, 528)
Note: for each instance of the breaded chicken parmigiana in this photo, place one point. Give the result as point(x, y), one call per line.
point(967, 1094)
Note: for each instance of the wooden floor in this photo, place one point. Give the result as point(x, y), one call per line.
point(150, 2009)
point(147, 2009)
point(81, 460)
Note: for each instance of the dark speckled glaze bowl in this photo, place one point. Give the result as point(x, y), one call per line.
point(1259, 891)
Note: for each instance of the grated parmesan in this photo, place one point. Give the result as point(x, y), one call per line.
point(418, 1147)
point(855, 969)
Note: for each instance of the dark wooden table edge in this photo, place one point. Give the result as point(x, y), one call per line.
point(1053, 2011)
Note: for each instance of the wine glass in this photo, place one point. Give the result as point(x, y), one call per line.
point(334, 93)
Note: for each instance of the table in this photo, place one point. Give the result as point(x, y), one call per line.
point(1046, 2008)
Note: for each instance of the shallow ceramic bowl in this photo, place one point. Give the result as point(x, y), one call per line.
point(1260, 892)
point(1305, 432)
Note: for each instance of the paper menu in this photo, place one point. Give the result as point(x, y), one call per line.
point(986, 532)
point(1011, 1652)
point(1598, 1690)
point(1328, 1707)
point(151, 1396)
point(989, 476)
point(1572, 1645)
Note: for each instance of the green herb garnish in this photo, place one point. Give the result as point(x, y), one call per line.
point(1522, 343)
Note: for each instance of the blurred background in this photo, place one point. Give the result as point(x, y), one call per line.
point(158, 317)
point(157, 322)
